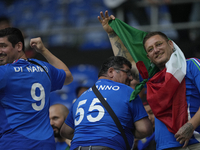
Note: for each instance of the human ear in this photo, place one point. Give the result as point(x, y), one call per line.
point(19, 46)
point(111, 72)
point(171, 44)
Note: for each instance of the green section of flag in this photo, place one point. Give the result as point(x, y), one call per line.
point(133, 40)
point(67, 148)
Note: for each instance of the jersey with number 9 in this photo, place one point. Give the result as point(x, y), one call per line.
point(24, 103)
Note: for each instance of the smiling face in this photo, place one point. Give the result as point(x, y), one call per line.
point(158, 50)
point(8, 53)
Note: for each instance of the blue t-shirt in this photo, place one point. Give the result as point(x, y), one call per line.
point(92, 123)
point(24, 105)
point(164, 138)
point(61, 145)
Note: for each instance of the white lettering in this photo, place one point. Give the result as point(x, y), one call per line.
point(115, 88)
point(107, 87)
point(101, 87)
point(45, 68)
point(18, 69)
point(40, 69)
point(29, 69)
point(35, 69)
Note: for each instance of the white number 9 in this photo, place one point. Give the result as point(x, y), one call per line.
point(38, 98)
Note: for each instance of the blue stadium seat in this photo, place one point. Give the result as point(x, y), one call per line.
point(83, 72)
point(95, 40)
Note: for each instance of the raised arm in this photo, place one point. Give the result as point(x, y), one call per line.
point(117, 46)
point(38, 45)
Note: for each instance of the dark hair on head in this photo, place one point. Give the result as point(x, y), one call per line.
point(150, 34)
point(14, 36)
point(115, 62)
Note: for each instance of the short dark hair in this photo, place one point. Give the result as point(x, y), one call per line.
point(115, 62)
point(14, 36)
point(150, 34)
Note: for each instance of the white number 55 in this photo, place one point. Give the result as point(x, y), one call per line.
point(92, 107)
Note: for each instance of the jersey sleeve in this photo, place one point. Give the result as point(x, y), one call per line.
point(137, 109)
point(194, 69)
point(57, 77)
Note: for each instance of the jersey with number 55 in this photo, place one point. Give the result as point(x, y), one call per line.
point(92, 123)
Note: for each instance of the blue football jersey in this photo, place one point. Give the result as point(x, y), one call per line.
point(93, 124)
point(164, 138)
point(24, 104)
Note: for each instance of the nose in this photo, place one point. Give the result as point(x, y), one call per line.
point(156, 49)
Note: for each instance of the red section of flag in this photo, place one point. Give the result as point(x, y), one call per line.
point(142, 69)
point(167, 99)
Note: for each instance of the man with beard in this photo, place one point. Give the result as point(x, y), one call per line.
point(57, 115)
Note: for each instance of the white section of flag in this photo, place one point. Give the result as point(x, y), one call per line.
point(177, 64)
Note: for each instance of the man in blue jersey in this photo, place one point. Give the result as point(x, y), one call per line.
point(159, 49)
point(89, 123)
point(25, 86)
point(57, 115)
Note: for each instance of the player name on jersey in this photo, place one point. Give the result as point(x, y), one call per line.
point(107, 87)
point(30, 69)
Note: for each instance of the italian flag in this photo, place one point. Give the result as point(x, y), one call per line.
point(166, 88)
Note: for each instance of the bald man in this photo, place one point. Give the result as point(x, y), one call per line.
point(57, 115)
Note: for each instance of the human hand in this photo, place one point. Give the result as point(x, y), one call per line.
point(184, 134)
point(37, 44)
point(104, 21)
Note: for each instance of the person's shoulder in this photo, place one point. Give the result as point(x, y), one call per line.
point(4, 67)
point(37, 61)
point(193, 62)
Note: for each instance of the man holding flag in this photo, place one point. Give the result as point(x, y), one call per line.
point(173, 89)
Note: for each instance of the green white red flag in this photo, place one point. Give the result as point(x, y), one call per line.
point(166, 88)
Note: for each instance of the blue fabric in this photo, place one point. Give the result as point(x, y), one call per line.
point(24, 104)
point(142, 145)
point(61, 145)
point(164, 138)
point(95, 126)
